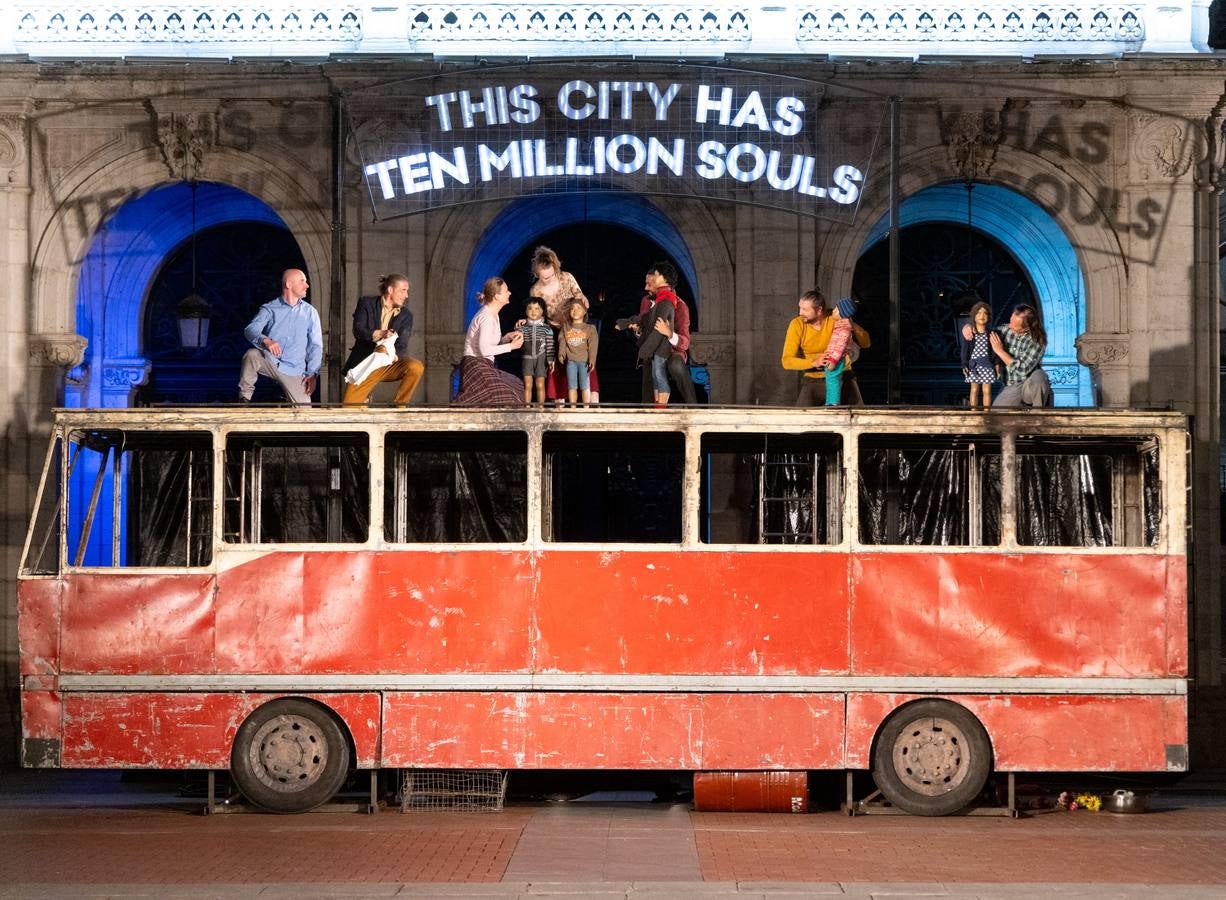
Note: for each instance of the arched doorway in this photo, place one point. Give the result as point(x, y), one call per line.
point(607, 241)
point(1025, 233)
point(944, 268)
point(141, 256)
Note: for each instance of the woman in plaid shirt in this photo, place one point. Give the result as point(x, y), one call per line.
point(1020, 346)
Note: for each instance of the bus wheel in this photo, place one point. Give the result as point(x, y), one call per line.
point(289, 756)
point(932, 758)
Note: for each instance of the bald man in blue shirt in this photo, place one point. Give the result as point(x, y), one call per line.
point(288, 343)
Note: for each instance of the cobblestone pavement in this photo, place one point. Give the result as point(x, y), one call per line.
point(96, 838)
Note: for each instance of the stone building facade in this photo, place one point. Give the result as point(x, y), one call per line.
point(1102, 177)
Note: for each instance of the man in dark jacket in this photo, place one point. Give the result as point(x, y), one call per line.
point(375, 319)
point(660, 284)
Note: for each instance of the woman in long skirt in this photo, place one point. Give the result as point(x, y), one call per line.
point(481, 382)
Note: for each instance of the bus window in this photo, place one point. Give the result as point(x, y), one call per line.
point(771, 489)
point(140, 498)
point(930, 490)
point(463, 487)
point(613, 486)
point(1086, 492)
point(297, 488)
point(42, 554)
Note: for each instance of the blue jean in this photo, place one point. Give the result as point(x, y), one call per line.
point(834, 383)
point(576, 375)
point(659, 374)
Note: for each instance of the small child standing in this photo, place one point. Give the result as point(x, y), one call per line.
point(538, 349)
point(835, 360)
point(979, 364)
point(577, 348)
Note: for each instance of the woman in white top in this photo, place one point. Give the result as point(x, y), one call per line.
point(481, 382)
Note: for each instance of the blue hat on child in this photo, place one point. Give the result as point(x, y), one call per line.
point(846, 307)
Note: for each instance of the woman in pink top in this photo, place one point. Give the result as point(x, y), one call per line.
point(481, 382)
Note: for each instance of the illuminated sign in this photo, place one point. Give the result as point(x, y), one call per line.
point(502, 132)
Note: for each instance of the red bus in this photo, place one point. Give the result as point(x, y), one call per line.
point(932, 595)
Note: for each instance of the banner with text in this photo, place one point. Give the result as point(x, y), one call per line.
point(501, 132)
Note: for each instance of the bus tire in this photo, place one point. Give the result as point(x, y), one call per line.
point(931, 758)
point(289, 756)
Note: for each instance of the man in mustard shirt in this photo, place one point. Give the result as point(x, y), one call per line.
point(804, 346)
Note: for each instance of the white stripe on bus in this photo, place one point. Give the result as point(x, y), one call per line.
point(672, 684)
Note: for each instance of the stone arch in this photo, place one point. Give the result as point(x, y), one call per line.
point(113, 365)
point(1079, 269)
point(695, 238)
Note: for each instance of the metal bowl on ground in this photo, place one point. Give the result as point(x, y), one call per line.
point(1125, 801)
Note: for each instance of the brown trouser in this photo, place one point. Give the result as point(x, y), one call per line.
point(407, 371)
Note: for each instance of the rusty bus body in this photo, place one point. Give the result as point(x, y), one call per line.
point(768, 589)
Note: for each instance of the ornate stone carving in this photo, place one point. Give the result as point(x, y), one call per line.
point(1102, 349)
point(561, 23)
point(980, 23)
point(971, 139)
point(12, 148)
point(184, 138)
point(1164, 147)
point(125, 374)
point(713, 350)
point(67, 350)
point(1061, 376)
point(444, 350)
point(152, 23)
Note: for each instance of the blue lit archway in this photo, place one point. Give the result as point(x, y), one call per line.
point(126, 254)
point(1039, 245)
point(116, 275)
point(517, 225)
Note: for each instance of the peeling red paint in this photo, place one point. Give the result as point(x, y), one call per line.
point(186, 731)
point(38, 625)
point(1032, 733)
point(617, 613)
point(613, 731)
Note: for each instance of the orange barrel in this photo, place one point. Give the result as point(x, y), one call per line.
point(751, 792)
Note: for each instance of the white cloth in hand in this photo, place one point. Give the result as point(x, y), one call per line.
point(376, 360)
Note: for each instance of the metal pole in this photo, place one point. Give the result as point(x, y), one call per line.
point(894, 378)
point(336, 306)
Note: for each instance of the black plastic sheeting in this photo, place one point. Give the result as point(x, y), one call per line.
point(300, 500)
point(615, 487)
point(923, 497)
point(472, 489)
point(171, 490)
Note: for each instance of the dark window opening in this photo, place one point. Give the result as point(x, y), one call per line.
point(1087, 492)
point(771, 489)
point(297, 488)
point(456, 487)
point(614, 487)
point(42, 557)
point(140, 498)
point(930, 490)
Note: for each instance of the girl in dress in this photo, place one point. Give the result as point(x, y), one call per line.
point(979, 365)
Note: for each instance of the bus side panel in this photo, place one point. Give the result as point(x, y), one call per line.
point(187, 731)
point(40, 729)
point(389, 612)
point(566, 730)
point(1039, 733)
point(148, 624)
point(1177, 615)
point(950, 613)
point(663, 612)
point(38, 625)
